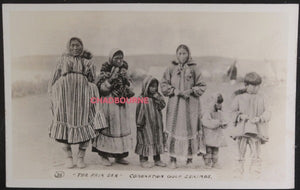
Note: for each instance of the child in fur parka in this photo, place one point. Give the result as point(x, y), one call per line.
point(251, 116)
point(213, 124)
point(149, 123)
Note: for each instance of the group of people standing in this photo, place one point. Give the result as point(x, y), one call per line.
point(76, 120)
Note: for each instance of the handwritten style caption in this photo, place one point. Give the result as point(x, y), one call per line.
point(89, 175)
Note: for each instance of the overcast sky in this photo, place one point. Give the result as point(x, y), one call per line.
point(238, 35)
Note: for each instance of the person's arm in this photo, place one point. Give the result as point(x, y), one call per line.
point(166, 88)
point(264, 117)
point(236, 115)
point(104, 86)
point(105, 79)
point(140, 116)
point(159, 99)
point(200, 86)
point(91, 71)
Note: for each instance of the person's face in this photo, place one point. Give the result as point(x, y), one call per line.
point(123, 71)
point(117, 59)
point(252, 89)
point(75, 48)
point(153, 88)
point(182, 55)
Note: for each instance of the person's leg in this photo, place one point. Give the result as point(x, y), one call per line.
point(120, 158)
point(143, 158)
point(256, 161)
point(239, 140)
point(189, 161)
point(144, 162)
point(243, 141)
point(104, 158)
point(68, 154)
point(81, 153)
point(258, 148)
point(156, 158)
point(158, 161)
point(258, 157)
point(208, 157)
point(215, 152)
point(243, 147)
point(173, 161)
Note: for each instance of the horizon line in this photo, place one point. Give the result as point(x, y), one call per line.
point(199, 56)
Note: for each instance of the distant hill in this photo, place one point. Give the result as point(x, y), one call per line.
point(30, 74)
point(211, 65)
point(48, 62)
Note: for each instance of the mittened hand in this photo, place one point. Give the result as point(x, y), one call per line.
point(225, 121)
point(243, 117)
point(182, 94)
point(177, 92)
point(186, 93)
point(156, 95)
point(255, 120)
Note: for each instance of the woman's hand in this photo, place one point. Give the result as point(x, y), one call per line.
point(225, 123)
point(218, 124)
point(156, 96)
point(255, 120)
point(184, 94)
point(243, 117)
point(223, 126)
point(114, 74)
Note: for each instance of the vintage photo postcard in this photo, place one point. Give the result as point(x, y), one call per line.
point(150, 95)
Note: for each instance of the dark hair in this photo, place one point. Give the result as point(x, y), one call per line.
point(182, 46)
point(252, 78)
point(77, 39)
point(220, 99)
point(85, 54)
point(118, 53)
point(153, 81)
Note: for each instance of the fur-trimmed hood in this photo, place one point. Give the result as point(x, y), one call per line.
point(84, 54)
point(146, 83)
point(189, 61)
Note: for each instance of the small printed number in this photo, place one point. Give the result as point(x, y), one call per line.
point(59, 174)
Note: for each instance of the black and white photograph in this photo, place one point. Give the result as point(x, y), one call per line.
point(150, 95)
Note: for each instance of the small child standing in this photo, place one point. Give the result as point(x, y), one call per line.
point(213, 125)
point(150, 124)
point(250, 116)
